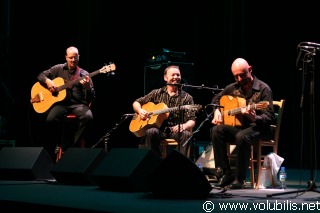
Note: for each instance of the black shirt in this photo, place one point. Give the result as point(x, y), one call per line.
point(260, 91)
point(76, 93)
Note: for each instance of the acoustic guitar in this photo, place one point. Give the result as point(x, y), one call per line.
point(232, 106)
point(42, 99)
point(157, 113)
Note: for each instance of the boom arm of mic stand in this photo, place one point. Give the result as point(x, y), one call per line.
point(105, 138)
point(203, 87)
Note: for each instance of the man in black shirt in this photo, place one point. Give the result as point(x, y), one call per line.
point(244, 128)
point(77, 100)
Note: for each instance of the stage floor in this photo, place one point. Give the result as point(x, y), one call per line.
point(39, 196)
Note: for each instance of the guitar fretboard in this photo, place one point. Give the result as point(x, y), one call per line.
point(158, 112)
point(70, 83)
point(252, 106)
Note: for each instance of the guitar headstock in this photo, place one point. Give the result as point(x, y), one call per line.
point(108, 68)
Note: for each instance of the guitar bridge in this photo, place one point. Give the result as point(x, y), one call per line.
point(37, 98)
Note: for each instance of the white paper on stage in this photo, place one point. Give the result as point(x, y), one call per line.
point(272, 162)
point(207, 158)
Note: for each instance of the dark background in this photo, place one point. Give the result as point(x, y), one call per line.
point(35, 35)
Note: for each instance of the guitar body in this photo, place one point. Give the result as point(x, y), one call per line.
point(230, 103)
point(139, 126)
point(43, 98)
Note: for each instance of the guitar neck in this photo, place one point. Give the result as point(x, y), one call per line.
point(75, 81)
point(161, 111)
point(238, 110)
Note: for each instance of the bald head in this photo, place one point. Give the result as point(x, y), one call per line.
point(72, 57)
point(241, 71)
point(239, 64)
point(72, 50)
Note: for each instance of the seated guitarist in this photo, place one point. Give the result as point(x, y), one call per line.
point(179, 123)
point(254, 123)
point(76, 100)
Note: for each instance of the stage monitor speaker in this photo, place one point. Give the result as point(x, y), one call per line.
point(25, 163)
point(125, 169)
point(178, 177)
point(76, 165)
point(153, 75)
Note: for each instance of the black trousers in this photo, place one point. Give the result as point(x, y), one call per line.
point(55, 124)
point(154, 136)
point(243, 138)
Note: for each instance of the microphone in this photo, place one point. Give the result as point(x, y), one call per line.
point(177, 85)
point(309, 50)
point(310, 47)
point(311, 43)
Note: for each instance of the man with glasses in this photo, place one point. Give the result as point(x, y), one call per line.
point(76, 101)
point(237, 119)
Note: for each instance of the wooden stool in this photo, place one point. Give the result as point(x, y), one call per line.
point(71, 118)
point(167, 142)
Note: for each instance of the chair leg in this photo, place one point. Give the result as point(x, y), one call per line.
point(252, 167)
point(58, 153)
point(259, 166)
point(163, 150)
point(82, 143)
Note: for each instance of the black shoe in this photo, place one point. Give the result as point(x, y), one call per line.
point(225, 180)
point(238, 184)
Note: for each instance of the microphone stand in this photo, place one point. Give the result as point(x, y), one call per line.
point(106, 137)
point(7, 91)
point(197, 130)
point(180, 86)
point(180, 116)
point(216, 88)
point(308, 59)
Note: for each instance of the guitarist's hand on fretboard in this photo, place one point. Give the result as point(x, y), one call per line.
point(85, 82)
point(249, 112)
